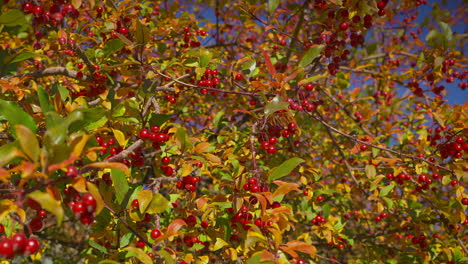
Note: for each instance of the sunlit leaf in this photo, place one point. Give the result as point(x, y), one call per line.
point(284, 169)
point(49, 203)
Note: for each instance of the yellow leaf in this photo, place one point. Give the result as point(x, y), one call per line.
point(370, 171)
point(78, 145)
point(79, 184)
point(7, 206)
point(111, 165)
point(49, 203)
point(186, 169)
point(215, 160)
point(120, 137)
point(28, 142)
point(219, 244)
point(253, 238)
point(144, 199)
point(139, 254)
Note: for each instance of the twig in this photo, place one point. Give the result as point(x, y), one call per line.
point(252, 149)
point(343, 156)
point(329, 259)
point(83, 56)
point(378, 147)
point(462, 245)
point(142, 238)
point(207, 88)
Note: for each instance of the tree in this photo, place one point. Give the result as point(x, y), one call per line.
point(233, 132)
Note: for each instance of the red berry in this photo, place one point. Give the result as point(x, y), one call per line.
point(36, 224)
point(204, 224)
point(464, 202)
point(166, 160)
point(89, 202)
point(2, 228)
point(144, 133)
point(344, 26)
point(320, 198)
point(135, 204)
point(155, 233)
point(140, 244)
point(72, 171)
point(19, 243)
point(32, 246)
point(123, 30)
point(87, 219)
point(6, 248)
point(301, 261)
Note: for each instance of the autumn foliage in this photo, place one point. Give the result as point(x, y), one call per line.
point(233, 132)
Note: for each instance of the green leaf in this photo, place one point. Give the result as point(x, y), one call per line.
point(158, 204)
point(112, 46)
point(8, 152)
point(310, 55)
point(28, 142)
point(313, 78)
point(218, 118)
point(142, 33)
point(44, 100)
point(272, 5)
point(95, 245)
point(16, 116)
point(13, 17)
point(120, 182)
point(284, 169)
point(446, 30)
point(166, 256)
point(139, 254)
point(205, 57)
point(385, 190)
point(389, 203)
point(125, 239)
point(183, 138)
point(48, 202)
point(159, 119)
point(275, 105)
point(22, 56)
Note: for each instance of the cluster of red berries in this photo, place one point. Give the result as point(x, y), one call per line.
point(420, 240)
point(454, 149)
point(188, 183)
point(94, 89)
point(305, 104)
point(55, 14)
point(255, 186)
point(381, 216)
point(18, 244)
point(318, 220)
point(83, 206)
point(209, 79)
point(269, 138)
point(382, 96)
point(37, 223)
point(156, 136)
point(190, 39)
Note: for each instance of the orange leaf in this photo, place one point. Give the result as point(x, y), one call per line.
point(62, 164)
point(174, 227)
point(268, 63)
point(111, 165)
point(292, 246)
point(285, 187)
point(202, 147)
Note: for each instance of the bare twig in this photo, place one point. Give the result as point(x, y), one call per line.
point(378, 147)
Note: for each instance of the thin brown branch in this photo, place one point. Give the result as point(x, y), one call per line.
point(343, 156)
point(207, 88)
point(142, 238)
point(328, 259)
point(378, 147)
